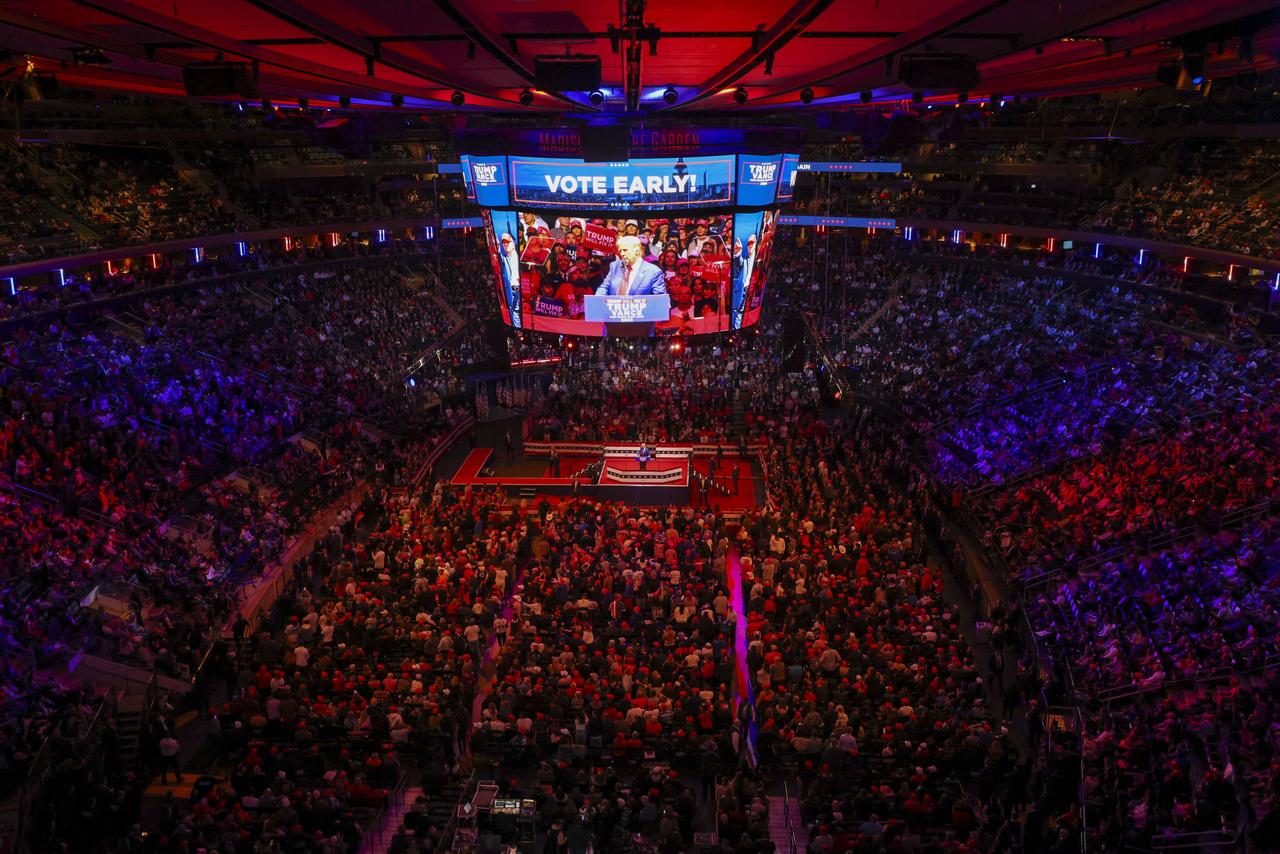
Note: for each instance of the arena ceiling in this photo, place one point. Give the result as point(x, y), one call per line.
point(420, 52)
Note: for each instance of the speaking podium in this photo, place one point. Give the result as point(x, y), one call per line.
point(648, 308)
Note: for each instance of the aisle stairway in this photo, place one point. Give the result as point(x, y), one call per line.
point(129, 724)
point(378, 841)
point(779, 832)
point(739, 421)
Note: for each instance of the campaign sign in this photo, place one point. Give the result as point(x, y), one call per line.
point(600, 238)
point(758, 179)
point(632, 309)
point(548, 307)
point(486, 180)
point(663, 182)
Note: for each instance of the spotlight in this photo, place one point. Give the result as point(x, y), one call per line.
point(526, 97)
point(917, 97)
point(865, 96)
point(457, 98)
point(596, 97)
point(806, 95)
point(740, 97)
point(397, 100)
point(670, 95)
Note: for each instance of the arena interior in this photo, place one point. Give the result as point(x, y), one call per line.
point(567, 428)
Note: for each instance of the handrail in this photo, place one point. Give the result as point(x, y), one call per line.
point(417, 365)
point(440, 448)
point(791, 828)
point(376, 830)
point(451, 826)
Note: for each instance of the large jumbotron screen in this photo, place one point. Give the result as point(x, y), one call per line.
point(665, 246)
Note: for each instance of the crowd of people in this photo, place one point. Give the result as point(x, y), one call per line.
point(1114, 446)
point(152, 470)
point(1217, 193)
point(60, 199)
point(646, 676)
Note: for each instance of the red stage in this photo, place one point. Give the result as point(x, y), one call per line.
point(667, 480)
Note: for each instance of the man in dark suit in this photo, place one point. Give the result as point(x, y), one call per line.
point(644, 455)
point(630, 274)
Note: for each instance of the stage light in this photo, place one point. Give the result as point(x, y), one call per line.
point(13, 287)
point(457, 98)
point(670, 95)
point(806, 95)
point(596, 97)
point(740, 96)
point(526, 97)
